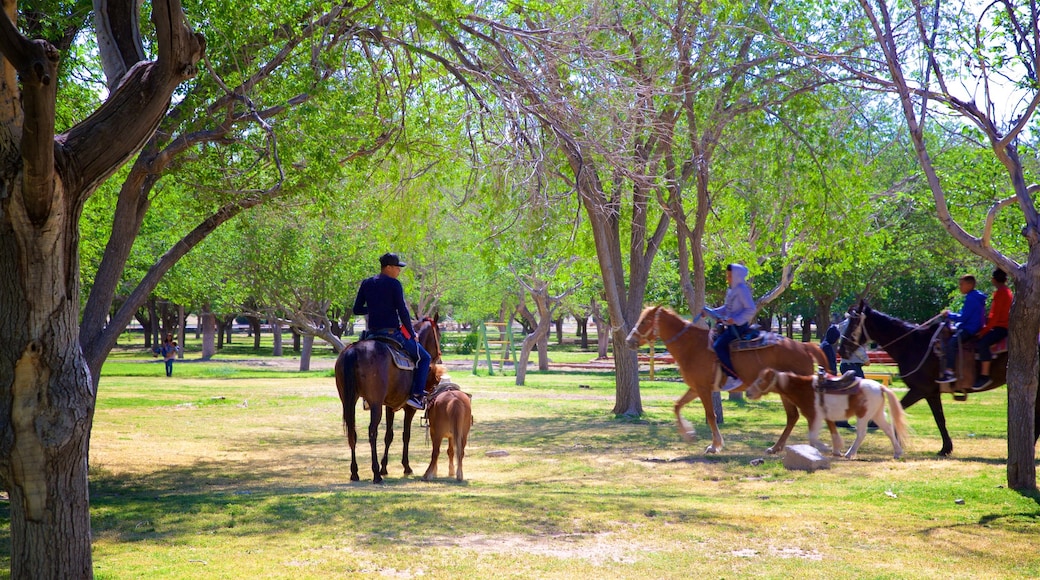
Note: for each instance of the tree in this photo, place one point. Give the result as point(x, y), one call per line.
point(47, 386)
point(992, 103)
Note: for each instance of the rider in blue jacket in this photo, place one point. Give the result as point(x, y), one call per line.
point(972, 318)
point(381, 300)
point(736, 313)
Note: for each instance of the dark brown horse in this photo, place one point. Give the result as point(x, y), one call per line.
point(912, 346)
point(366, 370)
point(698, 366)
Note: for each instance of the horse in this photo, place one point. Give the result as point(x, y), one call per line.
point(366, 370)
point(912, 347)
point(864, 399)
point(449, 412)
point(689, 345)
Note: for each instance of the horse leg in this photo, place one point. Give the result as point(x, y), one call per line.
point(350, 421)
point(451, 455)
point(935, 403)
point(716, 435)
point(887, 429)
point(373, 433)
point(836, 443)
point(460, 452)
point(409, 414)
point(686, 430)
point(814, 435)
point(388, 439)
point(861, 432)
point(431, 471)
point(792, 418)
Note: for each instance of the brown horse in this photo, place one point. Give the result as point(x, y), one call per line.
point(450, 414)
point(366, 370)
point(689, 345)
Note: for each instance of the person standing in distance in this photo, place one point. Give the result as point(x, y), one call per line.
point(381, 300)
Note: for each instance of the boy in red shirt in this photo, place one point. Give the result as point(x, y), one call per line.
point(996, 328)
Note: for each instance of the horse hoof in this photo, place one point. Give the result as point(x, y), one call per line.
point(711, 450)
point(772, 450)
point(377, 480)
point(354, 477)
point(407, 471)
point(383, 472)
point(944, 453)
point(689, 436)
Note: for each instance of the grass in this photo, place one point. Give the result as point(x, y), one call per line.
point(228, 470)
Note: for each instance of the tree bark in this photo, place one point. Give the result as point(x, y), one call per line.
point(305, 353)
point(181, 318)
point(1022, 373)
point(254, 325)
point(208, 322)
point(276, 332)
point(626, 369)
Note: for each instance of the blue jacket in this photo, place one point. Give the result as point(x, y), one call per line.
point(740, 304)
point(381, 299)
point(973, 314)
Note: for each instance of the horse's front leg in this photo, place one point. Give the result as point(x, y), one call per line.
point(814, 435)
point(373, 432)
point(935, 403)
point(409, 414)
point(686, 430)
point(792, 419)
point(716, 435)
point(388, 440)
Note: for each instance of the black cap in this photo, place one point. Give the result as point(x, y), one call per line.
point(390, 259)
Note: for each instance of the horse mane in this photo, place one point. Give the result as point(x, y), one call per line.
point(903, 324)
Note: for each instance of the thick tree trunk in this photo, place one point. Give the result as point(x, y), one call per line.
point(559, 330)
point(254, 326)
point(626, 369)
point(208, 324)
point(221, 327)
point(305, 353)
point(1022, 371)
point(583, 331)
point(276, 332)
point(295, 339)
point(180, 329)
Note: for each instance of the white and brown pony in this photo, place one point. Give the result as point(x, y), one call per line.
point(864, 400)
point(689, 344)
point(449, 412)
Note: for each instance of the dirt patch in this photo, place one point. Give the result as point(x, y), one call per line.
point(774, 552)
point(600, 548)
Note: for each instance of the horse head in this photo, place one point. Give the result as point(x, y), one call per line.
point(765, 382)
point(645, 329)
point(430, 337)
point(855, 335)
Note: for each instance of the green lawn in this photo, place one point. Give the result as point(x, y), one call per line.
point(229, 471)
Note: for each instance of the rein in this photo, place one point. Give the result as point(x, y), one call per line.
point(652, 332)
point(927, 350)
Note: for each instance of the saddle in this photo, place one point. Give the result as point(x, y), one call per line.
point(755, 339)
point(402, 358)
point(846, 384)
point(432, 396)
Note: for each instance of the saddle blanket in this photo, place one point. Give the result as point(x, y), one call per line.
point(402, 359)
point(996, 349)
point(763, 340)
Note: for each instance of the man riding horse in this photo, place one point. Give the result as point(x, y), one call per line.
point(736, 313)
point(381, 299)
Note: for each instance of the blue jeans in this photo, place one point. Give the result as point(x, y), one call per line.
point(854, 367)
point(721, 346)
point(953, 346)
point(169, 367)
point(422, 366)
point(995, 335)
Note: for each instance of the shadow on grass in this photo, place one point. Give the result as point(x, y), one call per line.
point(175, 503)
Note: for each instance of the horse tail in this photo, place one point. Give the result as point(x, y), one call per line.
point(818, 357)
point(346, 383)
point(898, 417)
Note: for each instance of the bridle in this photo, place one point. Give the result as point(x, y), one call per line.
point(861, 330)
point(652, 333)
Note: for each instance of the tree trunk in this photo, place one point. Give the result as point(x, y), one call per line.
point(276, 331)
point(208, 324)
point(1022, 372)
point(602, 331)
point(305, 353)
point(180, 329)
point(229, 327)
point(543, 352)
point(221, 326)
point(295, 340)
point(153, 313)
point(583, 331)
point(559, 331)
point(254, 329)
point(626, 370)
point(146, 328)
